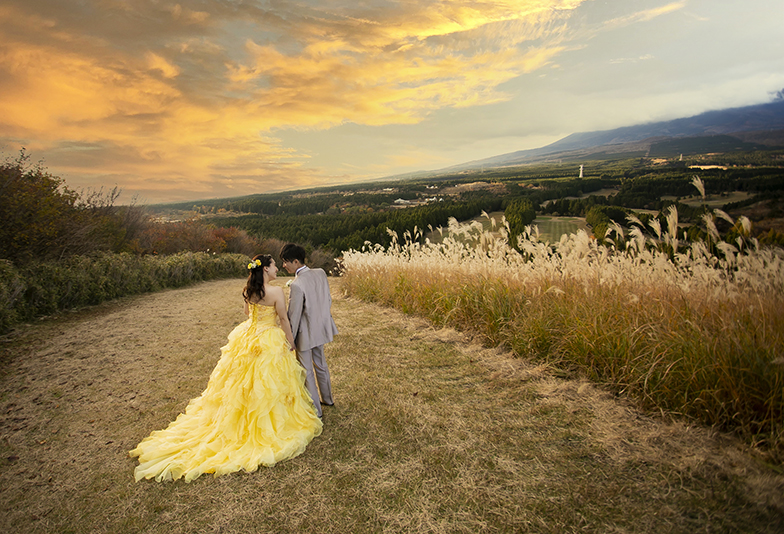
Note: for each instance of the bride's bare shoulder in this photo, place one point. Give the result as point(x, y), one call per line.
point(274, 289)
point(271, 295)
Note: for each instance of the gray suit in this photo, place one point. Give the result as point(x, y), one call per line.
point(312, 326)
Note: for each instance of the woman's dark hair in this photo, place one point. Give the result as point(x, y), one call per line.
point(254, 289)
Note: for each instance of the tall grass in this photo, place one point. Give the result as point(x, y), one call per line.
point(45, 288)
point(680, 329)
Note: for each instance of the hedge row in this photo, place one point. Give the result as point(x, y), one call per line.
point(46, 288)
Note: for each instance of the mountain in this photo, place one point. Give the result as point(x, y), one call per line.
point(745, 128)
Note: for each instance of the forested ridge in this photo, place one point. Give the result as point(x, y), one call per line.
point(346, 217)
point(343, 231)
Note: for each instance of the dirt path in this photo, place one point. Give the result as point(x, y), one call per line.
point(430, 434)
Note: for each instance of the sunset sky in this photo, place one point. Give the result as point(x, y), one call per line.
point(216, 98)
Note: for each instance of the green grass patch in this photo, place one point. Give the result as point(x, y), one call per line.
point(552, 228)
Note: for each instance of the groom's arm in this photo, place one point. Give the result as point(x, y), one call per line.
point(296, 303)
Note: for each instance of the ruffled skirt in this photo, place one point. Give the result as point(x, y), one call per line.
point(255, 411)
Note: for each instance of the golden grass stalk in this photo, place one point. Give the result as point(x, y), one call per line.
point(681, 330)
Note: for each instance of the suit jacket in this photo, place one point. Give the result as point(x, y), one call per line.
point(309, 309)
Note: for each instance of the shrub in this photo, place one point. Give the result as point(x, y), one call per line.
point(48, 287)
point(519, 214)
point(11, 288)
point(35, 208)
point(193, 235)
point(43, 219)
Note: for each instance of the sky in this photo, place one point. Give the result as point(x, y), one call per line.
point(198, 99)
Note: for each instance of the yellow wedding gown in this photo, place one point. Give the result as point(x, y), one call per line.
point(255, 410)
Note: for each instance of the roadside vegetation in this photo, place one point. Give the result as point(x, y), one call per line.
point(61, 249)
point(688, 328)
point(45, 288)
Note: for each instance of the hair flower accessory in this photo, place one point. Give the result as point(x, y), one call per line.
point(253, 264)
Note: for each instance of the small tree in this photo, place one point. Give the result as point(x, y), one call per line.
point(42, 219)
point(519, 214)
point(35, 208)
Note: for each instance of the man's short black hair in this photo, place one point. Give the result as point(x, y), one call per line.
point(291, 252)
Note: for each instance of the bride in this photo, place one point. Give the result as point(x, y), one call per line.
point(255, 410)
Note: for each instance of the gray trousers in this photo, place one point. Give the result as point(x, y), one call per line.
point(314, 363)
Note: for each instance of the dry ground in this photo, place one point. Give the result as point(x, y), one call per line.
point(430, 433)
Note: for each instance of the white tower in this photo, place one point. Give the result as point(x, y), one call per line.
point(581, 171)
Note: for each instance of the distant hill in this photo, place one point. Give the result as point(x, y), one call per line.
point(746, 128)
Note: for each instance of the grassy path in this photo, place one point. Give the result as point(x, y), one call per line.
point(429, 434)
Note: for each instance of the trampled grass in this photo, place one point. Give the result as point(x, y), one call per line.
point(429, 434)
point(678, 329)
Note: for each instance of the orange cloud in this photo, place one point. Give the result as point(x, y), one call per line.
point(648, 14)
point(394, 73)
point(156, 62)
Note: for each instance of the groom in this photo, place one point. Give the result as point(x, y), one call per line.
point(311, 321)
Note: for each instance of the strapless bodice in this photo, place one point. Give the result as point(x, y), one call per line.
point(263, 316)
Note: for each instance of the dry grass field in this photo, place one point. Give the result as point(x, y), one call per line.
point(430, 433)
